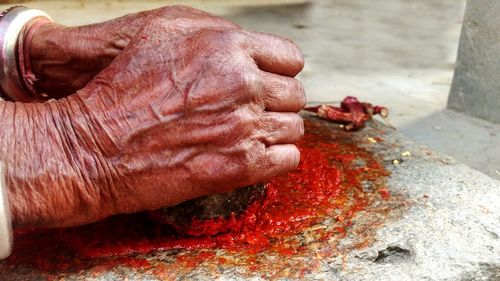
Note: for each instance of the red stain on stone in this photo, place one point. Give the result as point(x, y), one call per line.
point(384, 193)
point(327, 184)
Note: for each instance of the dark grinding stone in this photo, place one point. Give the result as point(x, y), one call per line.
point(212, 206)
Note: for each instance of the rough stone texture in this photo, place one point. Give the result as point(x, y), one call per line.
point(476, 87)
point(441, 223)
point(450, 232)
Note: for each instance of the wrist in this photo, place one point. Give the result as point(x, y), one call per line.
point(45, 162)
point(34, 155)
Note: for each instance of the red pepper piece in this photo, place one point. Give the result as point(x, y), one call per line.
point(352, 113)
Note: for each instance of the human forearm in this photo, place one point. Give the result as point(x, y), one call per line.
point(44, 158)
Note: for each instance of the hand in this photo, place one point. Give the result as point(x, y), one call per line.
point(65, 59)
point(177, 115)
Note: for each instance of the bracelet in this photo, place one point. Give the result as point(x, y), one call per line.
point(12, 23)
point(5, 218)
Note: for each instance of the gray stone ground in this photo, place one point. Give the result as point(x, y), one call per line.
point(443, 224)
point(450, 232)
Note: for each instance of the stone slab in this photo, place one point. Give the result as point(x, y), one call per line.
point(476, 87)
point(441, 223)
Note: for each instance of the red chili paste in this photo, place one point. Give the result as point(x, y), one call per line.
point(328, 183)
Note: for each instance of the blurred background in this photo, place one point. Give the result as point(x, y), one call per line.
point(396, 53)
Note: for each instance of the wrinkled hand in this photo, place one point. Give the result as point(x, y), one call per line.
point(178, 114)
point(65, 59)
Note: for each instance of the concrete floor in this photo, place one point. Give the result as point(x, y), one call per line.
point(399, 54)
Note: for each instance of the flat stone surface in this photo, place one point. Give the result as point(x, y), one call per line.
point(450, 232)
point(442, 222)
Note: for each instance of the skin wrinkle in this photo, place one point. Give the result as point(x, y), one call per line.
point(171, 76)
point(143, 129)
point(177, 114)
point(186, 90)
point(211, 134)
point(63, 130)
point(8, 114)
point(106, 194)
point(89, 195)
point(185, 138)
point(106, 175)
point(124, 114)
point(156, 113)
point(229, 97)
point(171, 92)
point(163, 159)
point(30, 190)
point(94, 127)
point(274, 92)
point(84, 138)
point(68, 133)
point(68, 151)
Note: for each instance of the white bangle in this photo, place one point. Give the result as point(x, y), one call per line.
point(12, 22)
point(5, 219)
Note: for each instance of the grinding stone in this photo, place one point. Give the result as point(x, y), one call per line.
point(208, 207)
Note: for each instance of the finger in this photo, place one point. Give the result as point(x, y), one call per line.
point(280, 128)
point(282, 93)
point(275, 54)
point(278, 159)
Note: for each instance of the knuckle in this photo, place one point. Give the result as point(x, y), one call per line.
point(245, 124)
point(223, 41)
point(210, 37)
point(281, 128)
point(302, 99)
point(271, 123)
point(230, 37)
point(299, 125)
point(253, 160)
point(154, 24)
point(236, 38)
point(248, 81)
point(272, 138)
